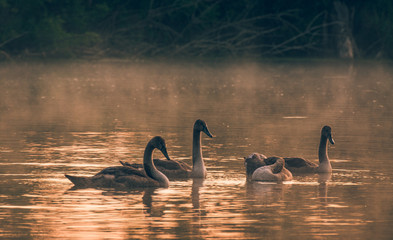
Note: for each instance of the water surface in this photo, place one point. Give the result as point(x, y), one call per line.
point(80, 117)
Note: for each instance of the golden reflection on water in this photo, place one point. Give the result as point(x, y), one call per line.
point(79, 118)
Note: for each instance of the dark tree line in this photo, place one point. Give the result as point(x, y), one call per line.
point(290, 28)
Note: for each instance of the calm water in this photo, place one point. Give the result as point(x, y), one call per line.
point(80, 117)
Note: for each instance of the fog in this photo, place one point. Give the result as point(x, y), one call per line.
point(96, 93)
point(164, 97)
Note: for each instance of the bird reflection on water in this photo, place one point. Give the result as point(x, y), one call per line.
point(323, 180)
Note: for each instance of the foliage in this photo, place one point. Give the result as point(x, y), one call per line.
point(373, 27)
point(188, 27)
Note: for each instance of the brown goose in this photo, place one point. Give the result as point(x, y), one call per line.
point(257, 168)
point(128, 177)
point(272, 173)
point(180, 170)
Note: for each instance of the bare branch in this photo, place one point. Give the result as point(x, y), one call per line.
point(12, 39)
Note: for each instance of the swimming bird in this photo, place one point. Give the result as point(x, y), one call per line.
point(301, 165)
point(129, 177)
point(252, 162)
point(272, 173)
point(179, 170)
point(257, 161)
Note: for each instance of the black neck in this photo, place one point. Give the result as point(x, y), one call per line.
point(196, 146)
point(148, 161)
point(322, 152)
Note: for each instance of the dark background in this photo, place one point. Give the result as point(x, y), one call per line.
point(196, 28)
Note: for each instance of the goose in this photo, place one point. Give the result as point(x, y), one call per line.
point(257, 161)
point(179, 170)
point(301, 165)
point(129, 177)
point(272, 173)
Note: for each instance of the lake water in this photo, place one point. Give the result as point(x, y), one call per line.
point(79, 117)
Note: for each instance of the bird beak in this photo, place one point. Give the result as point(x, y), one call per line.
point(205, 130)
point(331, 139)
point(165, 153)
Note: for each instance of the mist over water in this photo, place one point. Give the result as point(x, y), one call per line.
point(78, 117)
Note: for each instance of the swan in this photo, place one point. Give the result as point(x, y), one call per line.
point(300, 165)
point(252, 162)
point(129, 177)
point(257, 161)
point(272, 173)
point(179, 170)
